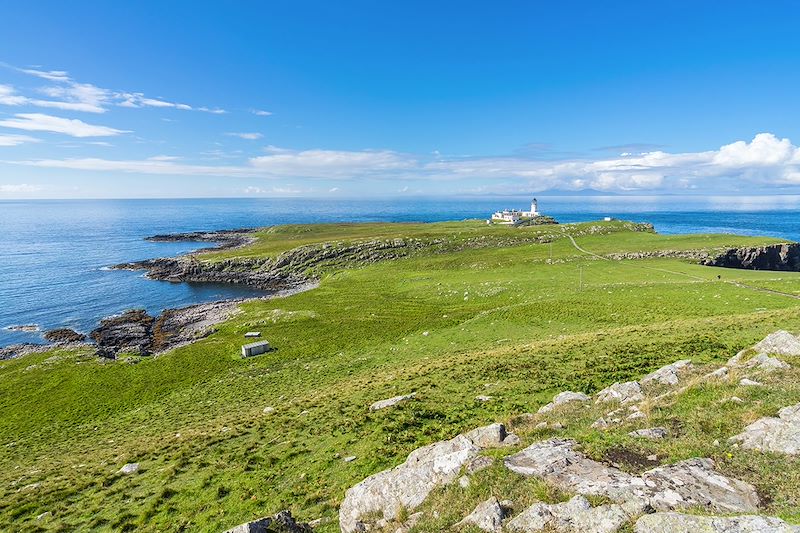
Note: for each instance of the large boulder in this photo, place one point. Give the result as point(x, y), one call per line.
point(574, 516)
point(406, 486)
point(691, 483)
point(282, 522)
point(684, 523)
point(770, 434)
point(563, 398)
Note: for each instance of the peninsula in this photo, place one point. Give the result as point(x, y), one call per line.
point(509, 347)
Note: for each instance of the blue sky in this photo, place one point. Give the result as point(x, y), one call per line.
point(164, 99)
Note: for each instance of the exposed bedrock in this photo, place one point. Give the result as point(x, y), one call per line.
point(783, 257)
point(138, 333)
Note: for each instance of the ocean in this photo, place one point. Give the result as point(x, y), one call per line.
point(54, 254)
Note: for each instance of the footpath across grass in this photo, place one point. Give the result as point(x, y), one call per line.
point(514, 320)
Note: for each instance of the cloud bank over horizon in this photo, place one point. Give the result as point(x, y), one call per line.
point(764, 162)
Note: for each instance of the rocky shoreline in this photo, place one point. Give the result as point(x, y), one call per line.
point(138, 333)
point(222, 239)
point(780, 257)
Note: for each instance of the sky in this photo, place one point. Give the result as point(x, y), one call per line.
point(378, 99)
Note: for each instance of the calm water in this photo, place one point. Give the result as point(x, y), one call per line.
point(53, 253)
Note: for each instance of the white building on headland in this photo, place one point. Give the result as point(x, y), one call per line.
point(512, 216)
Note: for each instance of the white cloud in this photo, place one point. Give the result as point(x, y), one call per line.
point(73, 96)
point(52, 75)
point(19, 188)
point(49, 123)
point(331, 163)
point(766, 161)
point(261, 112)
point(214, 111)
point(247, 136)
point(15, 140)
point(9, 96)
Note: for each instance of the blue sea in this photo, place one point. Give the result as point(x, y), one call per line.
point(54, 254)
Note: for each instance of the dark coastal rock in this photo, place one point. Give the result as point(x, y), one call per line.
point(64, 336)
point(224, 239)
point(282, 522)
point(18, 350)
point(131, 332)
point(781, 257)
point(139, 333)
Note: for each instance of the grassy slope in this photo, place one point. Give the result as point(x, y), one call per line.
point(500, 321)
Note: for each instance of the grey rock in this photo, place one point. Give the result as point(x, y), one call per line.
point(481, 462)
point(749, 382)
point(563, 398)
point(627, 392)
point(669, 374)
point(779, 343)
point(406, 486)
point(671, 522)
point(650, 433)
point(765, 362)
point(719, 373)
point(492, 436)
point(282, 522)
point(691, 483)
point(574, 516)
point(130, 468)
point(770, 434)
point(695, 483)
point(487, 516)
point(389, 402)
point(44, 516)
point(483, 398)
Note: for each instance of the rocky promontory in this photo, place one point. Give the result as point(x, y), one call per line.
point(138, 333)
point(223, 239)
point(782, 257)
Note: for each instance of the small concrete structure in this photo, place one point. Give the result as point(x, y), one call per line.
point(251, 334)
point(255, 348)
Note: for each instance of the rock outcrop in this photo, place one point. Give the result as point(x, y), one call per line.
point(574, 516)
point(64, 336)
point(630, 391)
point(487, 516)
point(282, 522)
point(668, 375)
point(779, 343)
point(691, 483)
point(683, 523)
point(770, 434)
point(406, 486)
point(138, 333)
point(783, 257)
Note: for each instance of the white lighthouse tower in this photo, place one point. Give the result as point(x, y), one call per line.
point(534, 212)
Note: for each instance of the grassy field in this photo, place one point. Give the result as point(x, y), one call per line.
point(514, 320)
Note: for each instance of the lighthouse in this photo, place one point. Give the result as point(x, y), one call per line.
point(534, 208)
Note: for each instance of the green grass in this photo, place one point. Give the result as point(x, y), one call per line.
point(501, 320)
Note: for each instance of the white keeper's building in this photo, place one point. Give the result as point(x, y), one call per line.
point(512, 216)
